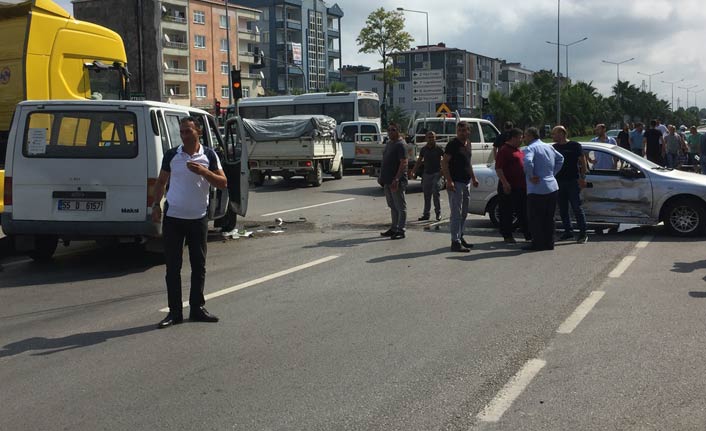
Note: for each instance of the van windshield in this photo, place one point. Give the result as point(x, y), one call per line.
point(81, 135)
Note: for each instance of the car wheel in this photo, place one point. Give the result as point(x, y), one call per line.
point(339, 174)
point(317, 177)
point(44, 248)
point(258, 179)
point(228, 222)
point(494, 214)
point(685, 217)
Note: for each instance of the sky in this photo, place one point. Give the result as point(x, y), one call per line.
point(661, 35)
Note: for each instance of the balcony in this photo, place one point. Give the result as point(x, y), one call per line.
point(251, 76)
point(175, 45)
point(174, 18)
point(248, 36)
point(176, 71)
point(334, 53)
point(334, 74)
point(291, 24)
point(246, 57)
point(333, 32)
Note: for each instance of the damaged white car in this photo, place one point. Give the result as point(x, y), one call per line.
point(633, 191)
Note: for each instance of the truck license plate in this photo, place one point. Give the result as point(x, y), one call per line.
point(74, 205)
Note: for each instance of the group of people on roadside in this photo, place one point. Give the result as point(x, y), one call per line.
point(531, 183)
point(665, 145)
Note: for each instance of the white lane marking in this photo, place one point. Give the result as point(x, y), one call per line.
point(512, 389)
point(622, 266)
point(307, 207)
point(645, 241)
point(262, 279)
point(17, 262)
point(581, 311)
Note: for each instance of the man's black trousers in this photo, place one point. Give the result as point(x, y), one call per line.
point(174, 232)
point(540, 215)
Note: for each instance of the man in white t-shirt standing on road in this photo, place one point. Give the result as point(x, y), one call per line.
point(190, 170)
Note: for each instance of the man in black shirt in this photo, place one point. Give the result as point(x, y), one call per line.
point(393, 177)
point(570, 178)
point(458, 171)
point(430, 158)
point(654, 144)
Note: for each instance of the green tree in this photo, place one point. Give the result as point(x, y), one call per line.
point(399, 116)
point(384, 34)
point(579, 103)
point(527, 99)
point(338, 87)
point(502, 107)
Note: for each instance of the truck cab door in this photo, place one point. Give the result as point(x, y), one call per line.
point(218, 199)
point(236, 165)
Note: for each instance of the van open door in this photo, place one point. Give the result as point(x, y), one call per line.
point(236, 165)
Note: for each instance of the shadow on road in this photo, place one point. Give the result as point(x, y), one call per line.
point(347, 243)
point(70, 342)
point(413, 255)
point(280, 185)
point(687, 267)
point(697, 294)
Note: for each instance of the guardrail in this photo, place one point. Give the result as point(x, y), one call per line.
point(176, 45)
point(170, 18)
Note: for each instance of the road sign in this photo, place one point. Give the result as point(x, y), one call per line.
point(427, 90)
point(489, 117)
point(428, 98)
point(428, 82)
point(434, 73)
point(443, 108)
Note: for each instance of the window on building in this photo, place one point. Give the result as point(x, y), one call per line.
point(199, 41)
point(223, 21)
point(199, 17)
point(225, 91)
point(401, 100)
point(201, 91)
point(246, 91)
point(402, 73)
point(265, 36)
point(224, 67)
point(224, 45)
point(172, 89)
point(401, 85)
point(401, 59)
point(418, 57)
point(200, 66)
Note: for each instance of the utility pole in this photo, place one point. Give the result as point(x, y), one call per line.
point(650, 75)
point(558, 64)
point(672, 84)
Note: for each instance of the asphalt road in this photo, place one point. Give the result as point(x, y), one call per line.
point(328, 326)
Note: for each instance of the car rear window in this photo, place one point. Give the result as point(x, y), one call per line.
point(81, 135)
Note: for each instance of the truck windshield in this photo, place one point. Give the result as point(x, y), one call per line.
point(108, 83)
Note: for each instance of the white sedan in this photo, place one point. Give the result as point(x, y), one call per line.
point(633, 191)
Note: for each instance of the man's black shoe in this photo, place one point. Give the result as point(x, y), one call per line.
point(530, 248)
point(457, 246)
point(438, 216)
point(509, 240)
point(169, 321)
point(398, 235)
point(566, 235)
point(202, 315)
point(466, 244)
point(387, 233)
point(423, 218)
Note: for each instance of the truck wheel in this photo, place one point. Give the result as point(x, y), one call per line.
point(317, 177)
point(258, 179)
point(339, 174)
point(685, 217)
point(44, 248)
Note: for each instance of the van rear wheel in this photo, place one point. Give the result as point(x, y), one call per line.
point(44, 248)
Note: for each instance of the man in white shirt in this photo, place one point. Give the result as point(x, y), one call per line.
point(190, 170)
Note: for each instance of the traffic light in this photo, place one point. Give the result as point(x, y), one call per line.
point(218, 108)
point(237, 85)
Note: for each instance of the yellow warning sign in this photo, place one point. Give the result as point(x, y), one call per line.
point(442, 109)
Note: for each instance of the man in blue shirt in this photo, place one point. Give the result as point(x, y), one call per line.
point(541, 163)
point(636, 140)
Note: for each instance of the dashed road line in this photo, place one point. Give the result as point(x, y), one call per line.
point(622, 266)
point(308, 207)
point(512, 389)
point(581, 311)
point(262, 279)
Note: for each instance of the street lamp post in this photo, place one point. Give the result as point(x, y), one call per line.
point(696, 93)
point(230, 83)
point(687, 93)
point(650, 75)
point(558, 55)
point(672, 84)
point(428, 47)
point(617, 64)
point(567, 45)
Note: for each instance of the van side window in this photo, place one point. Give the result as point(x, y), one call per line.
point(203, 140)
point(489, 133)
point(163, 132)
point(173, 128)
point(348, 133)
point(474, 135)
point(81, 135)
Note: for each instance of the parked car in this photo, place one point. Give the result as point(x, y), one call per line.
point(613, 133)
point(634, 191)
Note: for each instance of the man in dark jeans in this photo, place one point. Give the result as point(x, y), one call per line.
point(393, 177)
point(189, 169)
point(512, 189)
point(571, 178)
point(430, 158)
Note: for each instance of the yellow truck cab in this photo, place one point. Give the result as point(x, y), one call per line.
point(47, 54)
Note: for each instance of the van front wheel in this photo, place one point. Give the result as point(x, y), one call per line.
point(44, 248)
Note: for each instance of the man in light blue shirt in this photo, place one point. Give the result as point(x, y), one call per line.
point(636, 140)
point(541, 163)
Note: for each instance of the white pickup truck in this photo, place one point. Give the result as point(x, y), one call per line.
point(482, 136)
point(293, 145)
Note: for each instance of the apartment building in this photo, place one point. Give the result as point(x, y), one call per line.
point(178, 49)
point(301, 42)
point(512, 74)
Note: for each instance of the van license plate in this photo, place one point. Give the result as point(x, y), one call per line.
point(70, 205)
